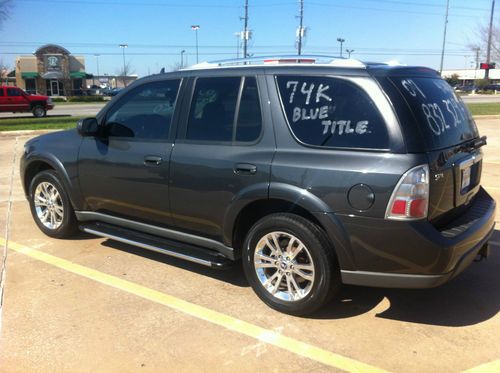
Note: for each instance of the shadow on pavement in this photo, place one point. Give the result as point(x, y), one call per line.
point(472, 297)
point(233, 275)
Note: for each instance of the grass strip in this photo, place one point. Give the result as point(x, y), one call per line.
point(47, 123)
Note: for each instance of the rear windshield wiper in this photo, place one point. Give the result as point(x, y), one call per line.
point(472, 145)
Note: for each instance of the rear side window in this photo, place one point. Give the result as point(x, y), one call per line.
point(331, 112)
point(442, 117)
point(225, 109)
point(13, 92)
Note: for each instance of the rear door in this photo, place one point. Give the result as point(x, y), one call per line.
point(16, 101)
point(223, 152)
point(447, 132)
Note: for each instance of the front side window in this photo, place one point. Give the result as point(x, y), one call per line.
point(331, 112)
point(144, 113)
point(13, 92)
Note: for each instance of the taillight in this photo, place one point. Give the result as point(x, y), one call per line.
point(410, 199)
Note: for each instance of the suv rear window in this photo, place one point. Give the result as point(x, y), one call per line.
point(331, 112)
point(442, 117)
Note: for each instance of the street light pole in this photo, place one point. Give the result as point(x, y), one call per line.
point(196, 28)
point(182, 58)
point(341, 41)
point(349, 51)
point(97, 61)
point(123, 46)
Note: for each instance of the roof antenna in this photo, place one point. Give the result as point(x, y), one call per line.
point(162, 71)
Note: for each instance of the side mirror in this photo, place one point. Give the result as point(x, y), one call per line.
point(88, 127)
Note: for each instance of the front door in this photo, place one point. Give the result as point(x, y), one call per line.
point(54, 88)
point(125, 172)
point(16, 100)
point(223, 153)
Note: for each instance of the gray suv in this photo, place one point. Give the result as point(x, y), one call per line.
point(313, 171)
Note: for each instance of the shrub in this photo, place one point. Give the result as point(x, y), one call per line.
point(58, 99)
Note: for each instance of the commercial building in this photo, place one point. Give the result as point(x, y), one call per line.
point(52, 71)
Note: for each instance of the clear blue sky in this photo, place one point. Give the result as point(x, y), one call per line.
point(409, 31)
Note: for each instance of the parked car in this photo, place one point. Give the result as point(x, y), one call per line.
point(492, 87)
point(313, 174)
point(15, 100)
point(114, 91)
point(467, 88)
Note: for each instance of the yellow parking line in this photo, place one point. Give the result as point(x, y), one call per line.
point(492, 366)
point(268, 336)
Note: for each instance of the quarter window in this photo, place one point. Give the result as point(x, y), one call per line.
point(145, 113)
point(331, 112)
point(215, 114)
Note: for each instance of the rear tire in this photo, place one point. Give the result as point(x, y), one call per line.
point(299, 277)
point(50, 205)
point(39, 111)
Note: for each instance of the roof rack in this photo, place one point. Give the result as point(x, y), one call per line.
point(280, 60)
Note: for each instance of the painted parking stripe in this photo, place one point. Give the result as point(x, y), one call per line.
point(268, 336)
point(492, 366)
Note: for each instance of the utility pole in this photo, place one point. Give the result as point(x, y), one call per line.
point(477, 49)
point(195, 28)
point(341, 41)
point(245, 31)
point(238, 37)
point(444, 35)
point(300, 31)
point(488, 51)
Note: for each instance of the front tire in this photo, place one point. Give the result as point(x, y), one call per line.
point(39, 111)
point(290, 264)
point(50, 206)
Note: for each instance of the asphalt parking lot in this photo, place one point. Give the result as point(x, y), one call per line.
point(90, 304)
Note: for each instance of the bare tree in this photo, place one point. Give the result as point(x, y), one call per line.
point(125, 71)
point(4, 71)
point(481, 42)
point(5, 9)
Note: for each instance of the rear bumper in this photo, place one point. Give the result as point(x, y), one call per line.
point(417, 255)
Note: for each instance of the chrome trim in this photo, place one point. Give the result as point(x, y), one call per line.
point(158, 231)
point(148, 247)
point(469, 161)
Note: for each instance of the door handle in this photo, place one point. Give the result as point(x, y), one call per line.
point(245, 168)
point(152, 160)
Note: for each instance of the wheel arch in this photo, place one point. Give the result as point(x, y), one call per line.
point(293, 200)
point(42, 162)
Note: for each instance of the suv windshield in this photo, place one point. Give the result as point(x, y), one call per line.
point(442, 117)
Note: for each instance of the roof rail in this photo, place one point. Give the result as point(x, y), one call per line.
point(281, 59)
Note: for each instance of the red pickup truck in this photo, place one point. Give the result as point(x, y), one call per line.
point(15, 100)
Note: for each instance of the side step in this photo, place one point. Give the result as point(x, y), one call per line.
point(176, 249)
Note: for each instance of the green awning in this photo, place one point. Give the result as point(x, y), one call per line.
point(77, 74)
point(29, 75)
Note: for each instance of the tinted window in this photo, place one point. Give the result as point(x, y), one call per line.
point(331, 112)
point(213, 107)
point(13, 92)
point(442, 117)
point(1, 91)
point(144, 113)
point(249, 122)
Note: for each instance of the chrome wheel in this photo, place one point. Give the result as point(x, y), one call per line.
point(284, 266)
point(39, 112)
point(48, 205)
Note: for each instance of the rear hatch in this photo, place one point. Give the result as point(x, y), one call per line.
point(437, 122)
